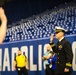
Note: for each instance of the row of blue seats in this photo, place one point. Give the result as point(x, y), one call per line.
point(43, 25)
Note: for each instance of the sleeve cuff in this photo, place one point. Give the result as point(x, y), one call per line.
point(68, 65)
point(52, 44)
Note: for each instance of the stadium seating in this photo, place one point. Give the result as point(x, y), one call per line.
point(41, 26)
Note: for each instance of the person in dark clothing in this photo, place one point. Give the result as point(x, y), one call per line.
point(64, 52)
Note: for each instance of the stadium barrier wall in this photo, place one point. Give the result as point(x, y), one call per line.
point(34, 50)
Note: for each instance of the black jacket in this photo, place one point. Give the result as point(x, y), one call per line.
point(64, 55)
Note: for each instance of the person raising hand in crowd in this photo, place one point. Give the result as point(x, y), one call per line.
point(3, 25)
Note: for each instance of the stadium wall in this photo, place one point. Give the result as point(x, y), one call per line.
point(34, 50)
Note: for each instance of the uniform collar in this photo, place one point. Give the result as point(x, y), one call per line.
point(61, 39)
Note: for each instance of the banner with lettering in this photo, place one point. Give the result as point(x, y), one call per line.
point(34, 50)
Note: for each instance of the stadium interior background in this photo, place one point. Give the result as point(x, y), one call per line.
point(30, 22)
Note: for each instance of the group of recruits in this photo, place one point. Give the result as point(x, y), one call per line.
point(58, 58)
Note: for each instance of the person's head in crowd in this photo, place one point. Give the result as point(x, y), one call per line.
point(48, 48)
point(59, 32)
point(19, 52)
